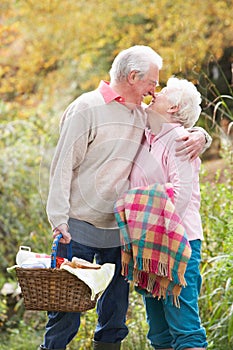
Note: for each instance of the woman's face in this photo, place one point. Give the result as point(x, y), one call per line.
point(161, 102)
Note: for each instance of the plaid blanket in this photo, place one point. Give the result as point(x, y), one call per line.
point(155, 247)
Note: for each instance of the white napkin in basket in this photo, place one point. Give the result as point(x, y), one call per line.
point(97, 280)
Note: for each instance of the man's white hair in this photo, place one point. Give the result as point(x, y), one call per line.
point(185, 95)
point(136, 58)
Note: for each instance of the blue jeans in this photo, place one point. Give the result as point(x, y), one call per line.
point(179, 328)
point(111, 307)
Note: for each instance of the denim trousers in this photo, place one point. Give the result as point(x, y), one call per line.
point(111, 307)
point(179, 328)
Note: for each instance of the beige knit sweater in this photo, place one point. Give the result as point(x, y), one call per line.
point(93, 159)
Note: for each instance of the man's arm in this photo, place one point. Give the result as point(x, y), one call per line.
point(194, 144)
point(70, 151)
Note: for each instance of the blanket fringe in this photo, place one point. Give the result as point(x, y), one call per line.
point(158, 282)
point(157, 286)
point(151, 266)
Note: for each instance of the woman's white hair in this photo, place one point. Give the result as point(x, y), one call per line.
point(185, 95)
point(136, 58)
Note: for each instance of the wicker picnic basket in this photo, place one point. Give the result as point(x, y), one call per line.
point(53, 289)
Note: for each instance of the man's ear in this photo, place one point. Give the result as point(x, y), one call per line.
point(132, 77)
point(173, 109)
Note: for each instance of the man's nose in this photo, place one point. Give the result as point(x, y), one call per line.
point(152, 92)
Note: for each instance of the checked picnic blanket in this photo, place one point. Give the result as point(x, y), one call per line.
point(155, 247)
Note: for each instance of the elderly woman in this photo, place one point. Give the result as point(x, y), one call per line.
point(174, 109)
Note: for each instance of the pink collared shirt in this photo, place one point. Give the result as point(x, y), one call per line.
point(108, 93)
point(157, 162)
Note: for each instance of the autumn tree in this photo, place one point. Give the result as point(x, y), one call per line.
point(60, 48)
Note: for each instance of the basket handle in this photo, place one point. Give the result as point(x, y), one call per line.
point(54, 250)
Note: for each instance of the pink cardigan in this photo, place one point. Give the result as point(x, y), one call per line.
point(157, 162)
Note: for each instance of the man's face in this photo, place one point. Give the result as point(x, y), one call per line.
point(146, 85)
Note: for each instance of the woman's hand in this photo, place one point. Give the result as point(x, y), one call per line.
point(192, 145)
point(63, 229)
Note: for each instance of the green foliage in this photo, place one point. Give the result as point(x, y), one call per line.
point(216, 216)
point(26, 336)
point(217, 300)
point(24, 173)
point(217, 269)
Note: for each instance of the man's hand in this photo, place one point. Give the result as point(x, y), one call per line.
point(192, 145)
point(63, 229)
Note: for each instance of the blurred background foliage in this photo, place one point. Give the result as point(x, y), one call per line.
point(54, 50)
point(60, 48)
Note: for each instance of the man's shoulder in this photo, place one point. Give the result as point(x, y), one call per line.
point(88, 99)
point(82, 105)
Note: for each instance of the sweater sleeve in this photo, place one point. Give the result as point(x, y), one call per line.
point(69, 154)
point(208, 138)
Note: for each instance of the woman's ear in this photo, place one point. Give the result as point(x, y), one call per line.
point(173, 109)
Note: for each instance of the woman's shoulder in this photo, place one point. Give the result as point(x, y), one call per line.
point(172, 131)
point(179, 129)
